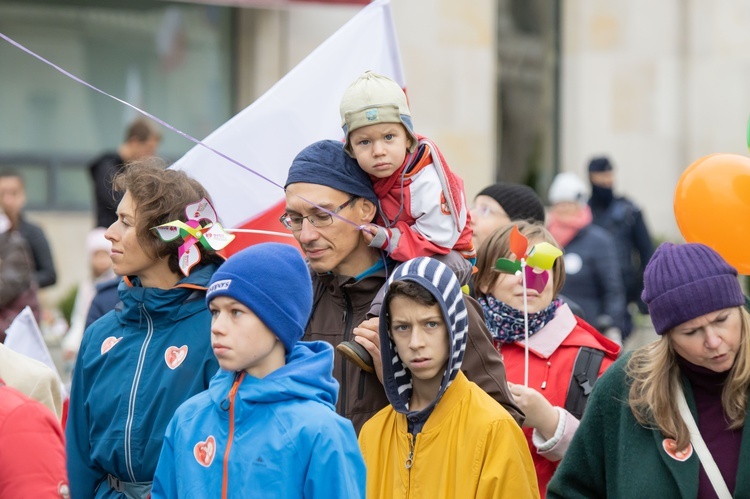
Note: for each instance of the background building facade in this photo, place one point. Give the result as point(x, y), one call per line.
point(510, 89)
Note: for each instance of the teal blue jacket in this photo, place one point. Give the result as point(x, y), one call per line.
point(136, 365)
point(612, 455)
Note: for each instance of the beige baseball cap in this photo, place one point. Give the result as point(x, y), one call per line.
point(373, 99)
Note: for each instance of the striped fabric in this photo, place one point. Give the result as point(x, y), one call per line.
point(441, 282)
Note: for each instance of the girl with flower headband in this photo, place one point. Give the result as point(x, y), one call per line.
point(143, 359)
point(555, 338)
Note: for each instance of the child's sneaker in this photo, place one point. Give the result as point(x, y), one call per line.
point(356, 353)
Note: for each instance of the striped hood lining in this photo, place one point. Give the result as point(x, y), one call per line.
point(433, 276)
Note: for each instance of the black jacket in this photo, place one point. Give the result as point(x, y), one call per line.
point(103, 169)
point(624, 220)
point(44, 266)
point(592, 276)
point(104, 300)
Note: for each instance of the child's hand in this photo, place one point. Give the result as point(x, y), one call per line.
point(540, 414)
point(369, 232)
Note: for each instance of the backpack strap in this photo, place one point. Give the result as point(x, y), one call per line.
point(585, 372)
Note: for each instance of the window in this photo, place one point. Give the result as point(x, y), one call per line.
point(528, 58)
point(172, 60)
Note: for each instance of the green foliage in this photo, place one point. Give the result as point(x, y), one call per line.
point(67, 302)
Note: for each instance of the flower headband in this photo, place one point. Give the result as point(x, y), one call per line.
point(212, 236)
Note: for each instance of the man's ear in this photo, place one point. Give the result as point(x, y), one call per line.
point(366, 211)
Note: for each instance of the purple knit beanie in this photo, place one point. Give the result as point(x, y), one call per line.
point(685, 281)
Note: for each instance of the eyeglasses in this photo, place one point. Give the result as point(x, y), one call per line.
point(294, 223)
point(485, 211)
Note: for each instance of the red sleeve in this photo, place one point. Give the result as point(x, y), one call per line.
point(32, 459)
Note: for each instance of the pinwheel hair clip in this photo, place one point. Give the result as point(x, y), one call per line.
point(533, 265)
point(202, 227)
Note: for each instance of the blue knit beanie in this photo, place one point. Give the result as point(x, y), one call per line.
point(273, 281)
point(325, 163)
point(685, 281)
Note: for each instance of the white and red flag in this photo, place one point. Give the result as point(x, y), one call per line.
point(301, 108)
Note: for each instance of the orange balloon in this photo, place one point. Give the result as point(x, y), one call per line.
point(712, 206)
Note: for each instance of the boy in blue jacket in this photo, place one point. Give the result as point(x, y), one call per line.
point(267, 421)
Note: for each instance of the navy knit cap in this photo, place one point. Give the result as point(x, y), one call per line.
point(273, 281)
point(600, 164)
point(685, 281)
point(325, 163)
point(519, 201)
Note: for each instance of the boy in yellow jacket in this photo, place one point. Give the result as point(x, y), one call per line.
point(442, 436)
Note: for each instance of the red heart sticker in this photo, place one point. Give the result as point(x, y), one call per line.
point(174, 356)
point(109, 343)
point(204, 452)
point(670, 447)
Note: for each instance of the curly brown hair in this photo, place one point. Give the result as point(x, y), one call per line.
point(160, 195)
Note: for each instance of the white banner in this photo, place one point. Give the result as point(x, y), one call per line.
point(301, 108)
point(24, 337)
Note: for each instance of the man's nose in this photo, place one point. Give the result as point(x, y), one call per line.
point(308, 232)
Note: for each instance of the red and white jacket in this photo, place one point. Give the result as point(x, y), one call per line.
point(426, 213)
point(552, 355)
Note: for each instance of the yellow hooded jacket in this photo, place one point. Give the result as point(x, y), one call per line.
point(469, 447)
point(463, 444)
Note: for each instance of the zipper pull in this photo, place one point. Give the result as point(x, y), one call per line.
point(546, 373)
point(410, 459)
point(229, 400)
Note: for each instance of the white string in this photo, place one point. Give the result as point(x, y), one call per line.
point(704, 455)
point(525, 326)
point(258, 231)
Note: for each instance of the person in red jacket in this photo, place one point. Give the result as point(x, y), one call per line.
point(421, 201)
point(556, 338)
point(27, 424)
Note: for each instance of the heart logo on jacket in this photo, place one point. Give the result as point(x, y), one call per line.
point(204, 452)
point(670, 447)
point(109, 343)
point(174, 356)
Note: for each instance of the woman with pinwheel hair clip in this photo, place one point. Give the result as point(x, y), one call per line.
point(547, 350)
point(143, 359)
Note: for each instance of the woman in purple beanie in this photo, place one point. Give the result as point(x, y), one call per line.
point(667, 421)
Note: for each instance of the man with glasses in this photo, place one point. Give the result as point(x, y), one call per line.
point(328, 200)
point(294, 223)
